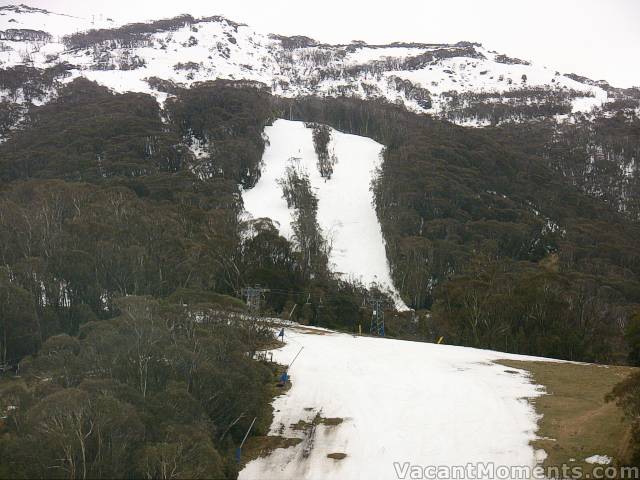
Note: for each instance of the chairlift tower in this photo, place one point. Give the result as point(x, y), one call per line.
point(377, 315)
point(254, 298)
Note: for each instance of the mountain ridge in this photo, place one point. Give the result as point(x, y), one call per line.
point(462, 82)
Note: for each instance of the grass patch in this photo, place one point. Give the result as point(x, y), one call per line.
point(303, 425)
point(271, 345)
point(263, 446)
point(576, 421)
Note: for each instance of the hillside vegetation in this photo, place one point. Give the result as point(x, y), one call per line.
point(122, 239)
point(104, 195)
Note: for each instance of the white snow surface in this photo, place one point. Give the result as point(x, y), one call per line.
point(368, 54)
point(346, 212)
point(401, 401)
point(25, 17)
point(598, 459)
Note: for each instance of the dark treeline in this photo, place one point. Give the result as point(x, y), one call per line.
point(160, 391)
point(97, 203)
point(127, 36)
point(33, 83)
point(518, 104)
point(136, 34)
point(627, 393)
point(24, 34)
point(598, 155)
point(308, 237)
point(326, 159)
point(101, 199)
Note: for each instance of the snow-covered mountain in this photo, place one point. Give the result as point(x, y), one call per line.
point(463, 82)
point(23, 17)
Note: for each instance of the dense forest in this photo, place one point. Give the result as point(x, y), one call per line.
point(116, 204)
point(112, 251)
point(159, 391)
point(489, 230)
point(124, 253)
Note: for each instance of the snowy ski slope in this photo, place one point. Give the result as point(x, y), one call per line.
point(346, 213)
point(401, 401)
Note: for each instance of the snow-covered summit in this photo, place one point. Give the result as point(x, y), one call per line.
point(24, 17)
point(463, 82)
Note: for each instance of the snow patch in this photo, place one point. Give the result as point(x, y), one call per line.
point(24, 17)
point(598, 459)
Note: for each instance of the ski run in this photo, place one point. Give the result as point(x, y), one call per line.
point(398, 402)
point(346, 211)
